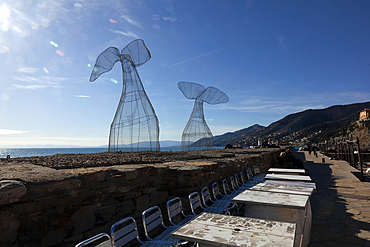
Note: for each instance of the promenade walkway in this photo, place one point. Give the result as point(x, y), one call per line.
point(341, 204)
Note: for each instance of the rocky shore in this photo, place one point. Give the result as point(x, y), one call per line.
point(68, 161)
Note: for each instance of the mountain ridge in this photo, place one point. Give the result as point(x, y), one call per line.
point(305, 125)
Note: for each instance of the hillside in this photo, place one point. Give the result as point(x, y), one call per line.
point(310, 124)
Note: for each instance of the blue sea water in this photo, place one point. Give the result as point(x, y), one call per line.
point(28, 152)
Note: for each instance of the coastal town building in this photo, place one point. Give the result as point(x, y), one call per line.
point(365, 115)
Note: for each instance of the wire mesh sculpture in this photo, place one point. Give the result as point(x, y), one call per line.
point(197, 135)
point(135, 125)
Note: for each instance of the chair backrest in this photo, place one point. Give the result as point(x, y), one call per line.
point(237, 181)
point(174, 208)
point(234, 186)
point(152, 218)
point(256, 170)
point(124, 231)
point(249, 174)
point(195, 202)
point(206, 196)
point(101, 240)
point(242, 178)
point(216, 190)
point(225, 185)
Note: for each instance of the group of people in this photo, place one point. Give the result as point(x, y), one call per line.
point(287, 160)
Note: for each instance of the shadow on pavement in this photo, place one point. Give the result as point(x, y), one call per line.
point(336, 219)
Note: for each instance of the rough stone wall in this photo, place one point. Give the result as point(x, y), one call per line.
point(74, 204)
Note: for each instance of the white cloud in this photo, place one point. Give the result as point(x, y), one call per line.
point(82, 96)
point(222, 129)
point(28, 70)
point(11, 132)
point(43, 82)
point(296, 103)
point(129, 20)
point(127, 34)
point(15, 86)
point(190, 59)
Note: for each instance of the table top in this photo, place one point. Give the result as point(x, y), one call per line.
point(288, 177)
point(283, 188)
point(299, 184)
point(286, 170)
point(271, 199)
point(226, 230)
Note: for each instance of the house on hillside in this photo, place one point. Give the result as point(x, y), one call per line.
point(365, 115)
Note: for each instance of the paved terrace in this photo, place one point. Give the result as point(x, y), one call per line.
point(340, 206)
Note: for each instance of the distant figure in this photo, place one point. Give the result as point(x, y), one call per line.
point(265, 144)
point(228, 146)
point(296, 163)
point(314, 149)
point(309, 148)
point(8, 157)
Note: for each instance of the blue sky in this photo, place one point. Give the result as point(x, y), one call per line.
point(272, 58)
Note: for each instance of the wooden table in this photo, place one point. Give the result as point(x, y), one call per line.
point(278, 207)
point(223, 230)
point(286, 171)
point(288, 177)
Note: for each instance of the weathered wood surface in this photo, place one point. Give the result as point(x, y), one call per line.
point(286, 171)
point(288, 177)
point(283, 188)
point(300, 184)
point(271, 199)
point(223, 230)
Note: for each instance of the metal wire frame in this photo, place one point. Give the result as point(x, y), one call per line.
point(197, 134)
point(135, 126)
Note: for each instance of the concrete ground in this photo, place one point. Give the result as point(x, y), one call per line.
point(341, 204)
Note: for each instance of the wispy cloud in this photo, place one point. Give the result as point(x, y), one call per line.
point(221, 129)
point(28, 70)
point(12, 132)
point(33, 87)
point(29, 82)
point(193, 58)
point(127, 34)
point(82, 96)
point(131, 21)
point(296, 103)
point(281, 41)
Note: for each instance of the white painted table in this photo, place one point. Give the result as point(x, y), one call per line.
point(286, 171)
point(300, 184)
point(223, 230)
point(283, 188)
point(288, 177)
point(278, 207)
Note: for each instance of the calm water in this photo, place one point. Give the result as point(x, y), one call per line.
point(28, 152)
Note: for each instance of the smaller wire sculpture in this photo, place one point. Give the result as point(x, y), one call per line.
point(197, 135)
point(135, 125)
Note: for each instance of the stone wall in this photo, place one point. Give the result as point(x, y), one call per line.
point(42, 206)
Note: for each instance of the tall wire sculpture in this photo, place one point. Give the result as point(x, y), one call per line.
point(197, 134)
point(135, 124)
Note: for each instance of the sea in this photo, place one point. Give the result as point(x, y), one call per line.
point(29, 152)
